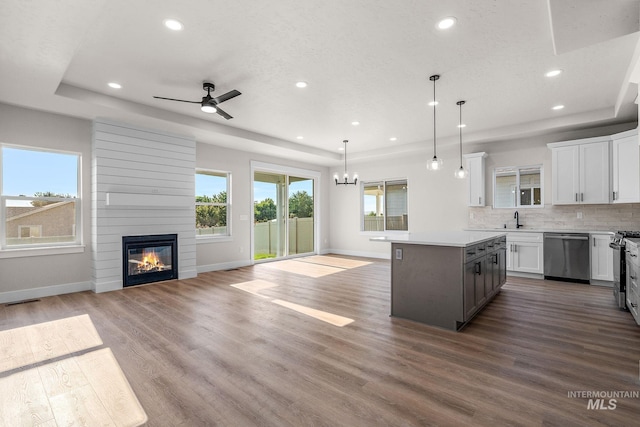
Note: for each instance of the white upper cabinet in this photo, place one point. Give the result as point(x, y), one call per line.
point(625, 164)
point(580, 171)
point(475, 180)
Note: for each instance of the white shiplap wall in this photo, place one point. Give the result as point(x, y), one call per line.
point(160, 168)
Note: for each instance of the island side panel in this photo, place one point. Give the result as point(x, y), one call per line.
point(427, 284)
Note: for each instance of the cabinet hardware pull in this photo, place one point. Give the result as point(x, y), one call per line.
point(515, 248)
point(478, 268)
point(576, 197)
point(594, 242)
point(495, 259)
point(582, 197)
point(479, 200)
point(634, 305)
point(632, 277)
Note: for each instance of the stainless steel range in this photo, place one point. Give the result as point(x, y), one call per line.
point(618, 245)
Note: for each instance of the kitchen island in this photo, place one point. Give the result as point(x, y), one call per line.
point(445, 278)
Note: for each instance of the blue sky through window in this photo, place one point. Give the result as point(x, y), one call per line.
point(26, 172)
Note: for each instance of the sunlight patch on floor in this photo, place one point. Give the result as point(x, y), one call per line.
point(255, 286)
point(303, 268)
point(331, 261)
point(52, 375)
point(333, 319)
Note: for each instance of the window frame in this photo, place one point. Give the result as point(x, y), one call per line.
point(228, 205)
point(75, 246)
point(384, 183)
point(518, 186)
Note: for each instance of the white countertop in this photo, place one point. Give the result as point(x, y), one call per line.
point(442, 238)
point(540, 230)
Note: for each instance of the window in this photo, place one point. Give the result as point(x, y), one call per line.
point(213, 203)
point(40, 198)
point(385, 206)
point(517, 187)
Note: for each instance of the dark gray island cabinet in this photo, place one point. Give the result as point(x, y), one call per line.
point(445, 278)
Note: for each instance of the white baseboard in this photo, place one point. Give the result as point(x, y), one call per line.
point(45, 291)
point(107, 286)
point(527, 275)
point(188, 274)
point(378, 255)
point(223, 266)
point(604, 283)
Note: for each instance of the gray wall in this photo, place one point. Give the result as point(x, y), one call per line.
point(60, 273)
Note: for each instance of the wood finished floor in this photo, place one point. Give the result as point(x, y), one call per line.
point(200, 352)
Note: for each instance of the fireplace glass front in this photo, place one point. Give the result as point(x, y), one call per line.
point(149, 259)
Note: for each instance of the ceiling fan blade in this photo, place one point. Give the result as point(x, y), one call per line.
point(226, 96)
point(222, 113)
point(179, 100)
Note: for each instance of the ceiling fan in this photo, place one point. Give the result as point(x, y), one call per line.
point(209, 104)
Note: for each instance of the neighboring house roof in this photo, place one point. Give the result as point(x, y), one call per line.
point(17, 212)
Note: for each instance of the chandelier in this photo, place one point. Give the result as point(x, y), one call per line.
point(345, 177)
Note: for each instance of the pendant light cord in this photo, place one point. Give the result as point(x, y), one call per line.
point(434, 78)
point(460, 127)
point(345, 156)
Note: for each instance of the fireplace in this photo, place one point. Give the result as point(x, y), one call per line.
point(147, 259)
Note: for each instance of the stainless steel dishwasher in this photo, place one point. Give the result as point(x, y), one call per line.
point(566, 257)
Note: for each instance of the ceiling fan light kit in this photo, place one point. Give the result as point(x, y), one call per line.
point(209, 104)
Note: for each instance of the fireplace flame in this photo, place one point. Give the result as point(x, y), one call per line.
point(150, 262)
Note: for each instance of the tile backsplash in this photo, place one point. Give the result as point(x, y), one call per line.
point(569, 217)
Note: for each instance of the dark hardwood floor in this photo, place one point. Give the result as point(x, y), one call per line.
point(200, 352)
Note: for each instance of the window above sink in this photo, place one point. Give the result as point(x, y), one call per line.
point(518, 187)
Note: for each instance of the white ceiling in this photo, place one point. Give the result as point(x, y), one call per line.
point(364, 60)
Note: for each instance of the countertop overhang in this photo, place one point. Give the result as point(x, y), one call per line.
point(443, 238)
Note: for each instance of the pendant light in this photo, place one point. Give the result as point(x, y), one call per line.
point(346, 174)
point(462, 172)
point(435, 163)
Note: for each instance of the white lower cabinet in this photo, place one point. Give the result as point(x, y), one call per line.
point(524, 253)
point(601, 257)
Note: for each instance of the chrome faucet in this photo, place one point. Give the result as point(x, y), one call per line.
point(517, 217)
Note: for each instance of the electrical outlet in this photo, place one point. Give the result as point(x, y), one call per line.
point(579, 215)
point(399, 254)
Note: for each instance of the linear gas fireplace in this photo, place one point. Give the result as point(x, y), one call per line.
point(147, 259)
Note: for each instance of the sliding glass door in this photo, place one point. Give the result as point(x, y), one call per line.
point(283, 215)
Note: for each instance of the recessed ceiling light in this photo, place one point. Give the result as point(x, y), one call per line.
point(558, 107)
point(446, 23)
point(462, 125)
point(114, 85)
point(393, 138)
point(301, 84)
point(553, 73)
point(355, 123)
point(173, 24)
point(299, 137)
point(432, 103)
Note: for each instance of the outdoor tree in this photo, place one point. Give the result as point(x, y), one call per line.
point(300, 205)
point(41, 203)
point(210, 215)
point(264, 210)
